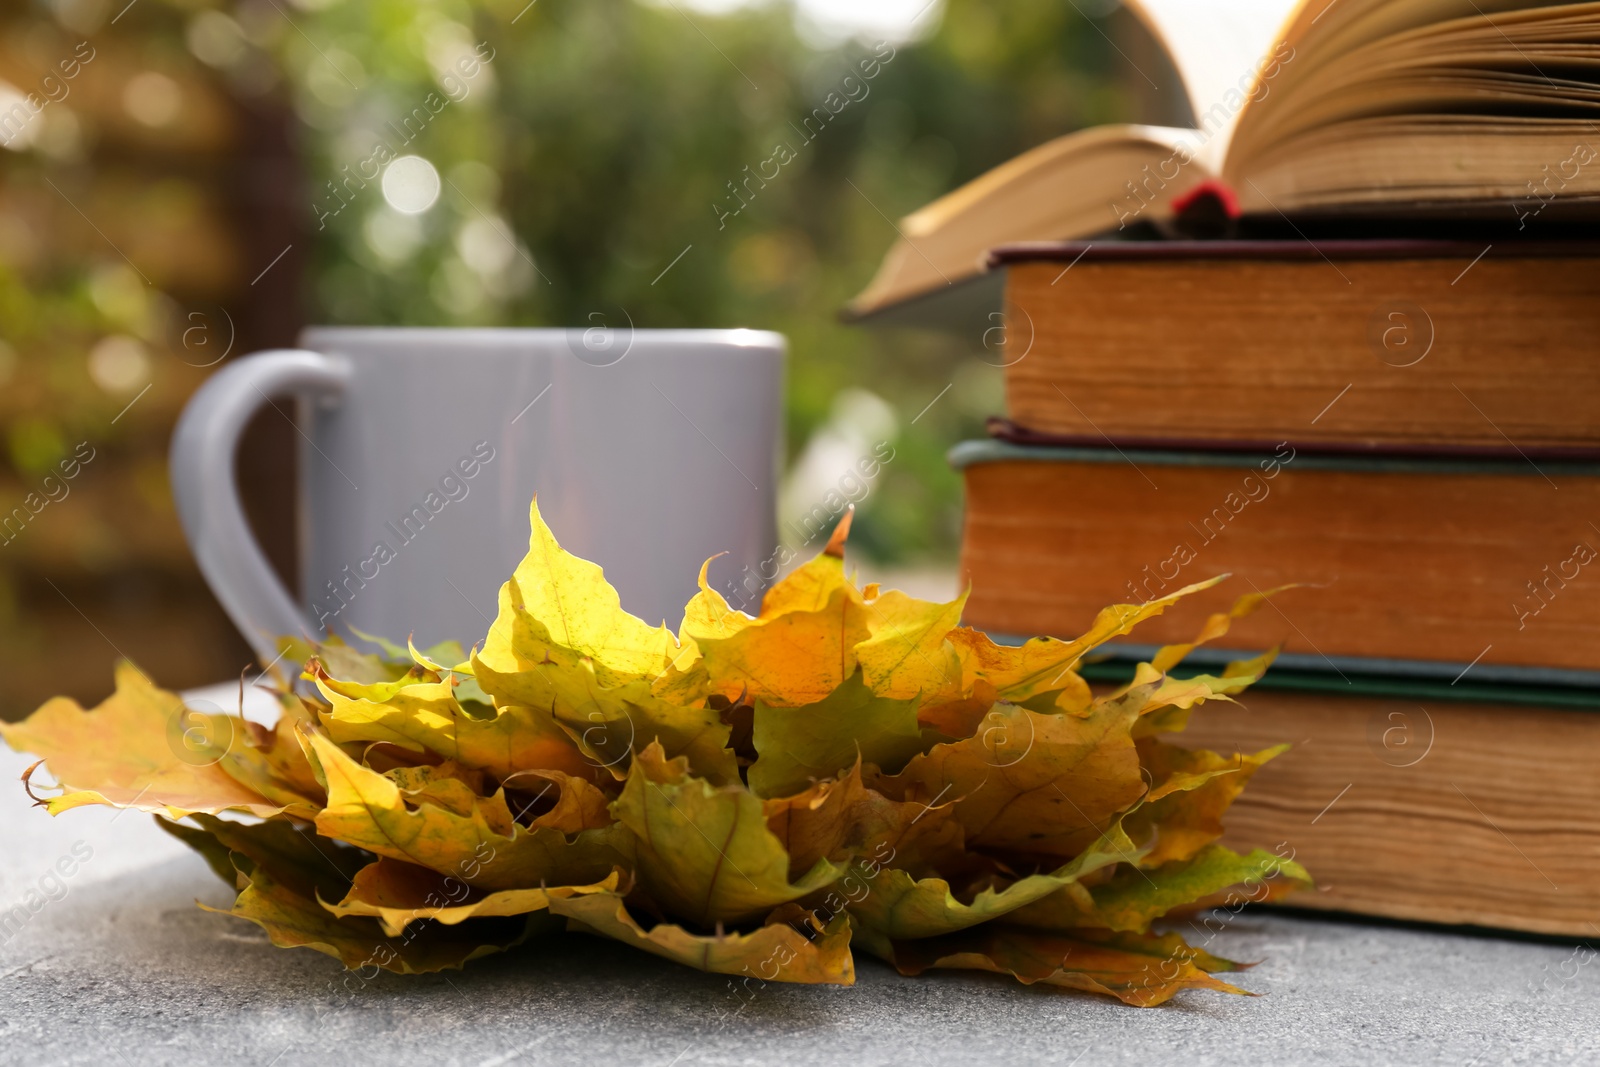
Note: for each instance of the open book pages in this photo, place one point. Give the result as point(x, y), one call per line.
point(1479, 107)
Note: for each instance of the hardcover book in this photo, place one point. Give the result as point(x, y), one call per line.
point(1453, 108)
point(1454, 565)
point(1343, 345)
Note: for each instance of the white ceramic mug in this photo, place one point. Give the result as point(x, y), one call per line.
point(649, 450)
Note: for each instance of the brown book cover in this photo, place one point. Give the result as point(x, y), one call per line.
point(1439, 811)
point(1337, 345)
point(1450, 561)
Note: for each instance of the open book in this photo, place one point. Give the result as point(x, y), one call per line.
point(1486, 107)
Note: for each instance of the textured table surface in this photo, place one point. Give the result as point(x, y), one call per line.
point(121, 968)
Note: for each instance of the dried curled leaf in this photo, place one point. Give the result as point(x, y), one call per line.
point(398, 894)
point(1132, 898)
point(775, 952)
point(750, 796)
point(1046, 665)
point(841, 819)
point(1045, 784)
point(481, 845)
point(283, 876)
point(1142, 970)
point(1193, 789)
point(899, 908)
point(295, 921)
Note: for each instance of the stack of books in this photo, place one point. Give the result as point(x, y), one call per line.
point(1405, 430)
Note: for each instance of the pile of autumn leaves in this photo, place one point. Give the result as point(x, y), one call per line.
point(760, 797)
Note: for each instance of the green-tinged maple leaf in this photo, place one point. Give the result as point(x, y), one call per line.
point(485, 847)
point(293, 853)
point(343, 660)
point(1133, 898)
point(451, 662)
point(429, 717)
point(295, 921)
point(435, 657)
point(608, 723)
point(1045, 784)
point(377, 692)
point(789, 949)
point(893, 906)
point(1143, 970)
point(143, 748)
point(574, 608)
point(798, 746)
point(704, 853)
point(398, 894)
point(1184, 693)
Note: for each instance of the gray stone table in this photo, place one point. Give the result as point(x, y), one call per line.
point(121, 968)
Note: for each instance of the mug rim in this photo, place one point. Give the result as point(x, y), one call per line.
point(737, 337)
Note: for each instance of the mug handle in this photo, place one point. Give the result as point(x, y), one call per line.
point(207, 494)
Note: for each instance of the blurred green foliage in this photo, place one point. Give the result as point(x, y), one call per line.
point(604, 135)
point(585, 146)
point(602, 161)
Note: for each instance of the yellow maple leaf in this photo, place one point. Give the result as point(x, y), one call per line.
point(143, 748)
point(575, 608)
